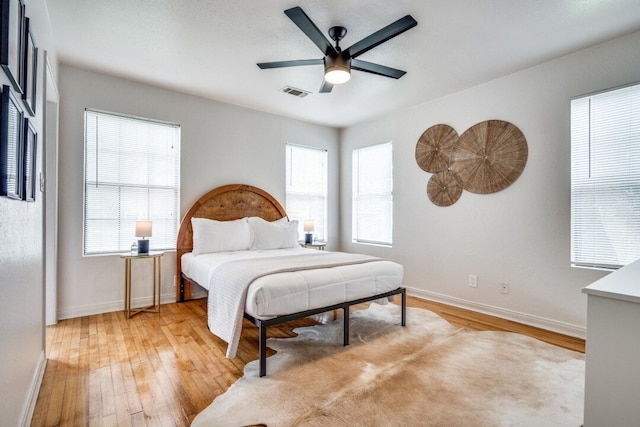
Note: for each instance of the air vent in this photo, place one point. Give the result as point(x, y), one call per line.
point(295, 91)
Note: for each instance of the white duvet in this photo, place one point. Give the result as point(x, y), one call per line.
point(284, 292)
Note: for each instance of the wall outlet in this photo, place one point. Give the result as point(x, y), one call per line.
point(473, 281)
point(504, 288)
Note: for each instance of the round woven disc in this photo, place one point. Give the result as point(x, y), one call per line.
point(490, 157)
point(434, 148)
point(444, 188)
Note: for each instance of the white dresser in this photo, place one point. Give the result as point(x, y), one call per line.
point(612, 382)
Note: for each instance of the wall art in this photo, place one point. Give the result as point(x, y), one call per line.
point(12, 20)
point(486, 158)
point(29, 163)
point(11, 145)
point(29, 70)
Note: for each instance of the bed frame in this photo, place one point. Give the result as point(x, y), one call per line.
point(225, 203)
point(235, 201)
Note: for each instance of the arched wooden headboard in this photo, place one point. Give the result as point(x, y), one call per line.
point(225, 203)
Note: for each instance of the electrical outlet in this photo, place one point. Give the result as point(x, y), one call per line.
point(473, 281)
point(504, 287)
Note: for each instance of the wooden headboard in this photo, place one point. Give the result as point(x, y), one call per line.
point(225, 203)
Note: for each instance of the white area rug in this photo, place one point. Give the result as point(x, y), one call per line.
point(428, 373)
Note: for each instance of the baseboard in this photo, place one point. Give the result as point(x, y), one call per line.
point(108, 307)
point(527, 319)
point(30, 403)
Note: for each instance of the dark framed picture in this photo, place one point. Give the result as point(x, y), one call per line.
point(29, 164)
point(11, 40)
point(11, 145)
point(29, 70)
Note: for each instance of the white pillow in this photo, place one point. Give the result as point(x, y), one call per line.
point(220, 236)
point(273, 235)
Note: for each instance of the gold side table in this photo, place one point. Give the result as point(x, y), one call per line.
point(155, 308)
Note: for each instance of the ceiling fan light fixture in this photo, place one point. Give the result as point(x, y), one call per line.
point(337, 76)
point(337, 62)
point(337, 70)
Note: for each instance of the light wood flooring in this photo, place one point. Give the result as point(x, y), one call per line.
point(162, 370)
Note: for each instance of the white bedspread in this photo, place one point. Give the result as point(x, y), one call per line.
point(282, 282)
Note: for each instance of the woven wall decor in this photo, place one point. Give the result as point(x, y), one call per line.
point(435, 146)
point(486, 158)
point(490, 157)
point(444, 188)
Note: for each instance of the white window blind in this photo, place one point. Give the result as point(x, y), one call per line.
point(306, 188)
point(373, 194)
point(605, 178)
point(131, 173)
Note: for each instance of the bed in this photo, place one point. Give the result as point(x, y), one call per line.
point(237, 242)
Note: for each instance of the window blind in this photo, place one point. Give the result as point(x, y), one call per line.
point(131, 173)
point(373, 194)
point(605, 178)
point(306, 188)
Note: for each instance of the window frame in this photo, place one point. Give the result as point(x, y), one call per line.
point(359, 196)
point(320, 232)
point(103, 185)
point(605, 172)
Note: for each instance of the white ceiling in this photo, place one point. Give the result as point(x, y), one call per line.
point(210, 48)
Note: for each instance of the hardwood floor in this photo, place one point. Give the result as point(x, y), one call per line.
point(162, 370)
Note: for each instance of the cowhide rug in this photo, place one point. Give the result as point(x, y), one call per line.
point(429, 373)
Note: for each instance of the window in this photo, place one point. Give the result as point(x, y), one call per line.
point(131, 173)
point(306, 188)
point(605, 178)
point(373, 194)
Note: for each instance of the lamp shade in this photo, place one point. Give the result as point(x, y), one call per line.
point(337, 70)
point(308, 225)
point(143, 228)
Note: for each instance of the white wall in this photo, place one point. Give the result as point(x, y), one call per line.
point(520, 235)
point(221, 144)
point(22, 357)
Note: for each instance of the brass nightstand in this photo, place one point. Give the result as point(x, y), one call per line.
point(155, 308)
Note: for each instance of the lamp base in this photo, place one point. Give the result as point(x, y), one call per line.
point(308, 237)
point(143, 246)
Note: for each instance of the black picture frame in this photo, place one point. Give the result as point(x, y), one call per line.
point(12, 21)
point(11, 145)
point(29, 70)
point(29, 162)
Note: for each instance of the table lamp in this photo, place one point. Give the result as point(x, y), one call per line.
point(308, 230)
point(143, 229)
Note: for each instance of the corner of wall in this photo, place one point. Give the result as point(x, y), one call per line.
point(30, 403)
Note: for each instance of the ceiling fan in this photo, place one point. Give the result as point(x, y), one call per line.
point(338, 63)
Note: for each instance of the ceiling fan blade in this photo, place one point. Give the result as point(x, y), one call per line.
point(297, 15)
point(326, 87)
point(381, 70)
point(381, 36)
point(294, 63)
